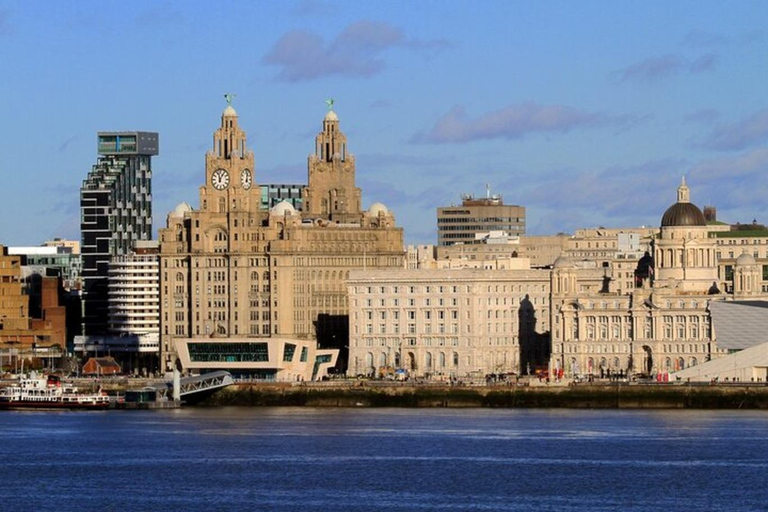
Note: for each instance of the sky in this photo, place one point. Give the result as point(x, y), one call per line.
point(587, 113)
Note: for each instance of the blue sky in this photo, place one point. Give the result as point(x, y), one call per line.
point(587, 113)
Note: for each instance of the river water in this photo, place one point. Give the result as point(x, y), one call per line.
point(242, 459)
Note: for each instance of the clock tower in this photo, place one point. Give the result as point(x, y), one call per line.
point(229, 169)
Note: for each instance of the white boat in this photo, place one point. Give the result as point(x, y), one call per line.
point(49, 393)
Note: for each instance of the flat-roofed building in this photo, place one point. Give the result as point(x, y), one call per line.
point(448, 322)
point(26, 325)
point(60, 258)
point(461, 224)
point(73, 245)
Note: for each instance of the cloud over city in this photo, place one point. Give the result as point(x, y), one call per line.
point(514, 122)
point(655, 69)
point(356, 52)
point(615, 192)
point(750, 165)
point(742, 134)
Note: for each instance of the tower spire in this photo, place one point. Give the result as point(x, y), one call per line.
point(683, 192)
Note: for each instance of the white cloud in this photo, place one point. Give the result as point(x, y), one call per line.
point(514, 122)
point(654, 69)
point(747, 132)
point(356, 52)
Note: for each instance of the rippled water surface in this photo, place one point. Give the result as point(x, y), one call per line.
point(384, 459)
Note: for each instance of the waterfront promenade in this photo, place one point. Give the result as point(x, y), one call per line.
point(526, 393)
point(350, 393)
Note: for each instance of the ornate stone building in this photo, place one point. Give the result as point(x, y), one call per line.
point(234, 271)
point(448, 322)
point(596, 311)
point(663, 325)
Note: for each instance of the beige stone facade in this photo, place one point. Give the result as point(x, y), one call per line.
point(542, 250)
point(664, 325)
point(618, 301)
point(648, 330)
point(731, 245)
point(230, 269)
point(448, 323)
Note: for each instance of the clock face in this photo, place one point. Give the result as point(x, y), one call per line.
point(246, 180)
point(220, 179)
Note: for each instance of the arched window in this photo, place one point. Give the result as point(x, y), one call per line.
point(455, 359)
point(412, 361)
point(428, 361)
point(441, 360)
point(369, 360)
point(383, 359)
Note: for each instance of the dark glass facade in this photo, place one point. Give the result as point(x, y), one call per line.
point(115, 212)
point(229, 352)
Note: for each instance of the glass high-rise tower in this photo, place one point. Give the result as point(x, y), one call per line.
point(115, 212)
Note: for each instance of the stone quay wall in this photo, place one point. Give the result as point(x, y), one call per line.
point(616, 396)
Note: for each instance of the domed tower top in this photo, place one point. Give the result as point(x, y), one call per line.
point(683, 212)
point(745, 259)
point(229, 111)
point(684, 253)
point(331, 192)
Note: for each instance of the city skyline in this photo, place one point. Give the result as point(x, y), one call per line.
point(585, 114)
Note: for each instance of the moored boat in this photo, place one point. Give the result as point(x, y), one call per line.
point(49, 393)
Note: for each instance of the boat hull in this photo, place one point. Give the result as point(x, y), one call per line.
point(19, 405)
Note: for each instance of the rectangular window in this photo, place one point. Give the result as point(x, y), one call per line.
point(288, 352)
point(229, 352)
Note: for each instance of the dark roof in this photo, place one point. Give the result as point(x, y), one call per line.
point(683, 214)
point(105, 362)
